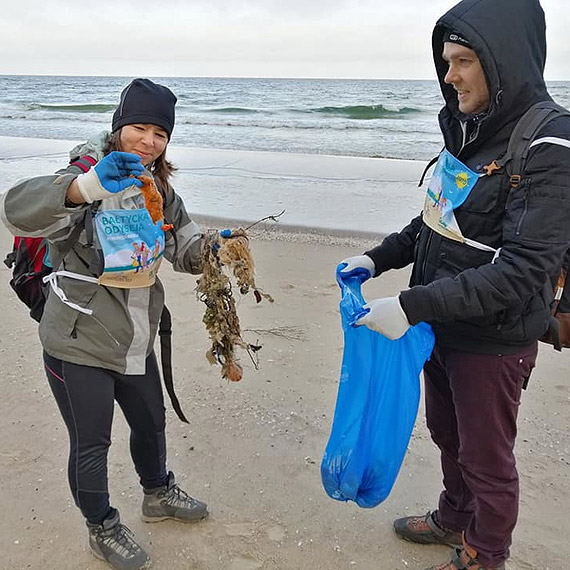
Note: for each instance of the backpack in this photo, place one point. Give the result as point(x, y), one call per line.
point(524, 133)
point(558, 333)
point(29, 261)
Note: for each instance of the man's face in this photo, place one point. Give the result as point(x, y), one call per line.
point(466, 75)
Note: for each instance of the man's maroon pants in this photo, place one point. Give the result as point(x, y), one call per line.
point(472, 401)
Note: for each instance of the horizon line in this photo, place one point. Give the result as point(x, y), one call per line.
point(284, 78)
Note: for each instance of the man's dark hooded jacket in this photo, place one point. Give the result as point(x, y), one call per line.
point(473, 304)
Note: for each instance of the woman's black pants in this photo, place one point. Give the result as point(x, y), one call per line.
point(85, 396)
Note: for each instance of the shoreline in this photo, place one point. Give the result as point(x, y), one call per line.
point(346, 197)
point(69, 143)
point(269, 230)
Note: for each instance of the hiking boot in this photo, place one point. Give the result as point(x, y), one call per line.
point(114, 543)
point(171, 502)
point(465, 559)
point(425, 530)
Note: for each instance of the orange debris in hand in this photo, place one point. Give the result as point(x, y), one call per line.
point(152, 199)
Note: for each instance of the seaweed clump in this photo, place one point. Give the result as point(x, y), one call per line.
point(223, 258)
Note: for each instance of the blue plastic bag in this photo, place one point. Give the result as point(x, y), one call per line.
point(376, 405)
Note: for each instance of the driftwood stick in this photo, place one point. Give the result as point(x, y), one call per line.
point(274, 218)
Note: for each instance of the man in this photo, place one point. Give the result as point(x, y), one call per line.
point(484, 256)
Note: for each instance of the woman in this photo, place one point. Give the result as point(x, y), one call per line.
point(101, 316)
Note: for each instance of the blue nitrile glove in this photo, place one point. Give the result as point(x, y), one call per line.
point(111, 175)
point(356, 264)
point(224, 234)
point(385, 316)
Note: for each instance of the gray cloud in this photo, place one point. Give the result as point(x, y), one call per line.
point(321, 38)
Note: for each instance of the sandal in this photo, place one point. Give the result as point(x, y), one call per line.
point(464, 559)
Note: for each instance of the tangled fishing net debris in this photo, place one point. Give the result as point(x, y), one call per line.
point(224, 257)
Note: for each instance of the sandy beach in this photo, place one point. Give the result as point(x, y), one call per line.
point(252, 449)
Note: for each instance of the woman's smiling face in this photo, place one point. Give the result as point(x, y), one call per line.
point(144, 139)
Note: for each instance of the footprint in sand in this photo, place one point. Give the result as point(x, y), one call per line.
point(239, 529)
point(275, 533)
point(243, 563)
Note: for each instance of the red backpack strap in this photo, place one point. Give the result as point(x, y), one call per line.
point(36, 249)
point(85, 162)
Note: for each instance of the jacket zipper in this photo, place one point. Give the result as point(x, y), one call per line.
point(74, 331)
point(525, 208)
point(472, 137)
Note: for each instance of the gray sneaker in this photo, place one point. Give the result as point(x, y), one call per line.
point(114, 543)
point(171, 502)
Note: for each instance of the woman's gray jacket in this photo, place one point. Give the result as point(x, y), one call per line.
point(120, 332)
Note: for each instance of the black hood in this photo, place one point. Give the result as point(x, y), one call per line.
point(509, 37)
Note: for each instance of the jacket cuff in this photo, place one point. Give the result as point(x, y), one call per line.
point(417, 305)
point(375, 254)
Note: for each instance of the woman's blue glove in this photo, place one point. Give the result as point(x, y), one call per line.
point(111, 175)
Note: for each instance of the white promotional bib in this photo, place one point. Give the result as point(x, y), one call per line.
point(132, 247)
point(449, 187)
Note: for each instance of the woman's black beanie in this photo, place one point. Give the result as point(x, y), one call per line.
point(143, 101)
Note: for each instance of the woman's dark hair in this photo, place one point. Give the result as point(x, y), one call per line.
point(161, 168)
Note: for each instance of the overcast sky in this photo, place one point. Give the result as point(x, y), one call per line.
point(238, 38)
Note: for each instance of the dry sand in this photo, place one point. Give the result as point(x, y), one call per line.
point(253, 448)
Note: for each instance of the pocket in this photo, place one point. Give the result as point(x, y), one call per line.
point(527, 363)
point(546, 219)
point(63, 316)
point(487, 196)
point(481, 216)
point(455, 257)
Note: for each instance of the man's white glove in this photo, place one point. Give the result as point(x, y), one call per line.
point(358, 263)
point(386, 316)
point(111, 175)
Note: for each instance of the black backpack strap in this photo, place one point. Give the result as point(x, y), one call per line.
point(96, 265)
point(10, 258)
point(165, 333)
point(71, 240)
point(525, 131)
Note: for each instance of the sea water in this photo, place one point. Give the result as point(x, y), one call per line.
point(391, 119)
